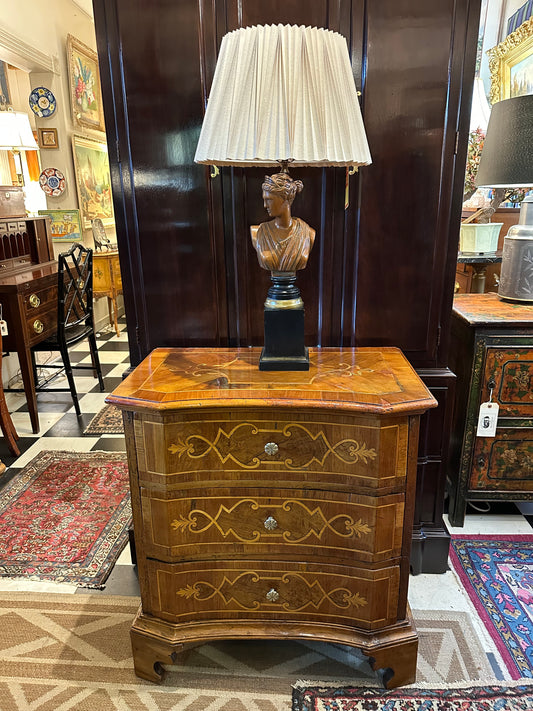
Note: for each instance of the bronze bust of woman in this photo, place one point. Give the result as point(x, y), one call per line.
point(283, 244)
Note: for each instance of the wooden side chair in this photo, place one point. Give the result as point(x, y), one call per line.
point(6, 423)
point(74, 318)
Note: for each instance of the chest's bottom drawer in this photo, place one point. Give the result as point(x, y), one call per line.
point(504, 462)
point(229, 590)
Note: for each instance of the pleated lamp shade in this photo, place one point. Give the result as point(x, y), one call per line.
point(282, 92)
point(15, 132)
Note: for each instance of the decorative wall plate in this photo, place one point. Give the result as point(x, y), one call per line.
point(52, 181)
point(42, 102)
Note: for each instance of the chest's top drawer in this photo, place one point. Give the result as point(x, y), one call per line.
point(350, 451)
point(509, 374)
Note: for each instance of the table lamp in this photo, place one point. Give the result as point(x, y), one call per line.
point(283, 95)
point(507, 162)
point(16, 135)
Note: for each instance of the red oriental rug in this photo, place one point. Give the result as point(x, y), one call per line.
point(65, 518)
point(473, 698)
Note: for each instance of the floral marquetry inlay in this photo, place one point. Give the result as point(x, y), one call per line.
point(253, 590)
point(239, 446)
point(294, 522)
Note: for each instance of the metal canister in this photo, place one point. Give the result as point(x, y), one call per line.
point(516, 277)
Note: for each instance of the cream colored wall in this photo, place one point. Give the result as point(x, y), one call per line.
point(45, 26)
point(34, 33)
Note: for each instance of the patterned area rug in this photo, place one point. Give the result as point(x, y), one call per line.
point(481, 698)
point(72, 652)
point(497, 573)
point(107, 421)
point(65, 518)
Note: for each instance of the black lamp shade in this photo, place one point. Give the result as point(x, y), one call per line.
point(507, 155)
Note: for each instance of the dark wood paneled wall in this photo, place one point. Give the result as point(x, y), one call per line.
point(381, 272)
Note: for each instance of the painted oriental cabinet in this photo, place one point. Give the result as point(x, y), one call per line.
point(492, 355)
point(273, 505)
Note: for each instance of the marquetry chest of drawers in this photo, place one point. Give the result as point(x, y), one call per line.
point(492, 355)
point(273, 504)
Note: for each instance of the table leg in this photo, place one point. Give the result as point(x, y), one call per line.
point(26, 369)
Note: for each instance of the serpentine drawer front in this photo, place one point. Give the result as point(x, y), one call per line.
point(273, 504)
point(272, 523)
point(231, 590)
point(364, 452)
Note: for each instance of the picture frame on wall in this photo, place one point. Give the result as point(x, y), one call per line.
point(65, 225)
point(93, 180)
point(47, 138)
point(5, 98)
point(84, 85)
point(511, 64)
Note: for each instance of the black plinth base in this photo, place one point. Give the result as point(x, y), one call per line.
point(284, 341)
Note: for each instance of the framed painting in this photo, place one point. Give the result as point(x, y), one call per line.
point(511, 64)
point(93, 180)
point(5, 96)
point(48, 138)
point(65, 225)
point(84, 84)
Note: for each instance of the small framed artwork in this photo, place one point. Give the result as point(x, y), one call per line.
point(511, 64)
point(93, 180)
point(65, 225)
point(48, 138)
point(5, 96)
point(84, 84)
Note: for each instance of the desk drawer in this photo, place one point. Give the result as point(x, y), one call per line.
point(282, 524)
point(351, 452)
point(270, 591)
point(41, 325)
point(39, 300)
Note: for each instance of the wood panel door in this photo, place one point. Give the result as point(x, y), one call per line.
point(382, 271)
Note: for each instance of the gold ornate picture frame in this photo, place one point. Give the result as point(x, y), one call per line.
point(511, 64)
point(84, 85)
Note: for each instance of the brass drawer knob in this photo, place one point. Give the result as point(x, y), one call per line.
point(270, 523)
point(38, 326)
point(272, 595)
point(271, 448)
point(34, 300)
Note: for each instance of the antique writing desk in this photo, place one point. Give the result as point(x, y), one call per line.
point(273, 504)
point(28, 293)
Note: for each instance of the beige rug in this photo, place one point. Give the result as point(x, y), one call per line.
point(72, 652)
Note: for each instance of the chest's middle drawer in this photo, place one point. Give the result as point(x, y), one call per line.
point(286, 524)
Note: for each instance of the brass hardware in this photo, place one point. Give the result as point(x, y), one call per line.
point(38, 326)
point(34, 300)
point(270, 523)
point(272, 595)
point(271, 448)
point(214, 171)
point(284, 303)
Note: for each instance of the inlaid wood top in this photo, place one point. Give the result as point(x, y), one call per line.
point(369, 379)
point(478, 309)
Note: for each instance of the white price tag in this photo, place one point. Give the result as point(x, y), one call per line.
point(488, 419)
point(3, 327)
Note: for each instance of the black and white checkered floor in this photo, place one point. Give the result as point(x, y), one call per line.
point(60, 428)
